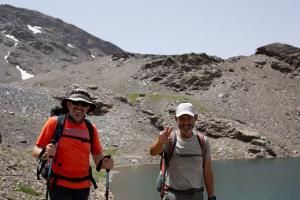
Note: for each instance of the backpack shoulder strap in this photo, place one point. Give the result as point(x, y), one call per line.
point(164, 161)
point(59, 128)
point(167, 154)
point(61, 119)
point(172, 145)
point(90, 128)
point(57, 133)
point(201, 140)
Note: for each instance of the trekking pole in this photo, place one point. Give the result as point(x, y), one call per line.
point(107, 180)
point(49, 172)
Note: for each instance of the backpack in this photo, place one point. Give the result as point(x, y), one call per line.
point(43, 165)
point(167, 157)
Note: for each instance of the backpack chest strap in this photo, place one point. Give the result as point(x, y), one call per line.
point(77, 138)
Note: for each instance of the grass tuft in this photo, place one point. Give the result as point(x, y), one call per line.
point(27, 190)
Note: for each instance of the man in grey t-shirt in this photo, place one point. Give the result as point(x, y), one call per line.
point(187, 174)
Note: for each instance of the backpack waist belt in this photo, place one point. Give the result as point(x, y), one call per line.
point(186, 191)
point(74, 179)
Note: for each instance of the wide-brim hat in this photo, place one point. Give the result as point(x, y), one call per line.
point(79, 95)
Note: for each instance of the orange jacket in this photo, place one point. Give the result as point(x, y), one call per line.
point(72, 158)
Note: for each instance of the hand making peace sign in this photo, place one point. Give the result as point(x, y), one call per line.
point(165, 135)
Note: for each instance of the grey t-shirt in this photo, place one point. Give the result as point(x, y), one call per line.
point(186, 167)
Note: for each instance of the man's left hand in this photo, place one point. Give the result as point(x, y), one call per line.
point(108, 163)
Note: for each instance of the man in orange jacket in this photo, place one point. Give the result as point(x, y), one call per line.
point(71, 152)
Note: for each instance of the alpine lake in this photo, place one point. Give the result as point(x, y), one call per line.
point(259, 179)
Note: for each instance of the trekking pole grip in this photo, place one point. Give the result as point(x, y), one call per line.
point(52, 141)
point(109, 157)
point(99, 166)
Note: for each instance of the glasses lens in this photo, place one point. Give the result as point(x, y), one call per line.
point(76, 103)
point(84, 104)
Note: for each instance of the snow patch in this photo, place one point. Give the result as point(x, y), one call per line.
point(24, 74)
point(35, 29)
point(70, 45)
point(5, 57)
point(12, 38)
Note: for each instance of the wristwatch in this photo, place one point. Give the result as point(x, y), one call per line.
point(212, 198)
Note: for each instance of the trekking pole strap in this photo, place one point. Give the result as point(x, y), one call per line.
point(41, 154)
point(92, 178)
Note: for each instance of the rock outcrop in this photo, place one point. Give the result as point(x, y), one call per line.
point(288, 56)
point(182, 72)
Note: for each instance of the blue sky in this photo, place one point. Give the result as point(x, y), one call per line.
point(222, 28)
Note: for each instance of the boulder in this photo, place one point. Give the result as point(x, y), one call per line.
point(245, 134)
point(101, 108)
point(277, 50)
point(157, 122)
point(281, 66)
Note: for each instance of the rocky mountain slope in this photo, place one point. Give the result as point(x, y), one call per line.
point(248, 105)
point(38, 43)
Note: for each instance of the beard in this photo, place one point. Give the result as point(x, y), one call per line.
point(76, 117)
point(187, 128)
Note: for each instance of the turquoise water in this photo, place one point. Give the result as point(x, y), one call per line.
point(274, 179)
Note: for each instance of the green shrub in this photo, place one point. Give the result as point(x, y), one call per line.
point(177, 98)
point(27, 190)
point(132, 97)
point(196, 77)
point(154, 97)
point(98, 175)
point(158, 97)
point(110, 152)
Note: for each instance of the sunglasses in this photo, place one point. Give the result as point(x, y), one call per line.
point(82, 103)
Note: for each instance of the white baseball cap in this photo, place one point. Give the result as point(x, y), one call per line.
point(185, 109)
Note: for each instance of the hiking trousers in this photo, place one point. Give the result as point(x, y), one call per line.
point(180, 195)
point(63, 193)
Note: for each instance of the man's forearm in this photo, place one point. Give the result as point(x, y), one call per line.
point(97, 158)
point(36, 151)
point(209, 179)
point(156, 148)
